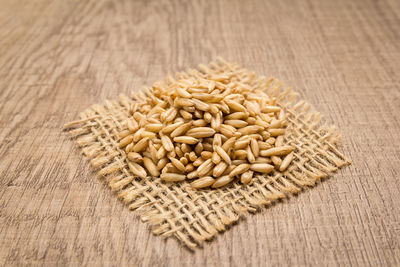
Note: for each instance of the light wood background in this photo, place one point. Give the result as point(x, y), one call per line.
point(58, 57)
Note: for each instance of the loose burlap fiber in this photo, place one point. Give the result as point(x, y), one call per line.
point(194, 216)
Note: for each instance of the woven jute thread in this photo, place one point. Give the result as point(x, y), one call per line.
point(194, 216)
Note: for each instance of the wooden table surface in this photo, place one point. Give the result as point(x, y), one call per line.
point(58, 57)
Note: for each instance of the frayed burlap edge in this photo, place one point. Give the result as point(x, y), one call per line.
point(194, 216)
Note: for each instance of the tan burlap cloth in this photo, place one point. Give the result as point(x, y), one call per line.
point(194, 216)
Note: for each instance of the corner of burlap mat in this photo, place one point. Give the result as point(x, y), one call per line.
point(191, 215)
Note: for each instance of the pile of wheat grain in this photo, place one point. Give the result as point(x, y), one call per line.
point(210, 129)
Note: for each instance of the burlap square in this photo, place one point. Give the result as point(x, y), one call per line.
point(194, 216)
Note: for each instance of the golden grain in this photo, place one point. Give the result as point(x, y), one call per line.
point(180, 130)
point(137, 170)
point(262, 167)
point(229, 144)
point(161, 163)
point(215, 158)
point(221, 181)
point(239, 169)
point(221, 152)
point(236, 123)
point(161, 152)
point(186, 115)
point(172, 177)
point(186, 148)
point(205, 167)
point(219, 168)
point(192, 156)
point(250, 156)
point(153, 151)
point(141, 145)
point(192, 175)
point(167, 144)
point(276, 132)
point(198, 148)
point(246, 177)
point(151, 167)
point(189, 167)
point(177, 164)
point(201, 132)
point(236, 116)
point(125, 141)
point(276, 161)
point(206, 154)
point(251, 129)
point(169, 128)
point(207, 117)
point(183, 93)
point(135, 157)
point(277, 151)
point(124, 133)
point(198, 161)
point(203, 182)
point(268, 109)
point(154, 127)
point(286, 161)
point(240, 154)
point(186, 140)
point(235, 106)
point(199, 123)
point(254, 147)
point(178, 151)
point(240, 144)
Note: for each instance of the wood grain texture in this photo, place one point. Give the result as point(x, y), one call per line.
point(58, 57)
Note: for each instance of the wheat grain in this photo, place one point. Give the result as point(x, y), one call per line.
point(203, 182)
point(250, 156)
point(180, 130)
point(277, 151)
point(240, 144)
point(178, 151)
point(221, 181)
point(277, 161)
point(161, 163)
point(151, 167)
point(198, 161)
point(169, 128)
point(137, 170)
point(186, 140)
point(276, 132)
point(262, 167)
point(135, 157)
point(154, 127)
point(189, 167)
point(236, 123)
point(239, 169)
point(219, 169)
point(221, 152)
point(167, 144)
point(141, 145)
point(201, 132)
point(286, 161)
point(206, 155)
point(199, 123)
point(177, 164)
point(246, 177)
point(205, 167)
point(172, 177)
point(125, 141)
